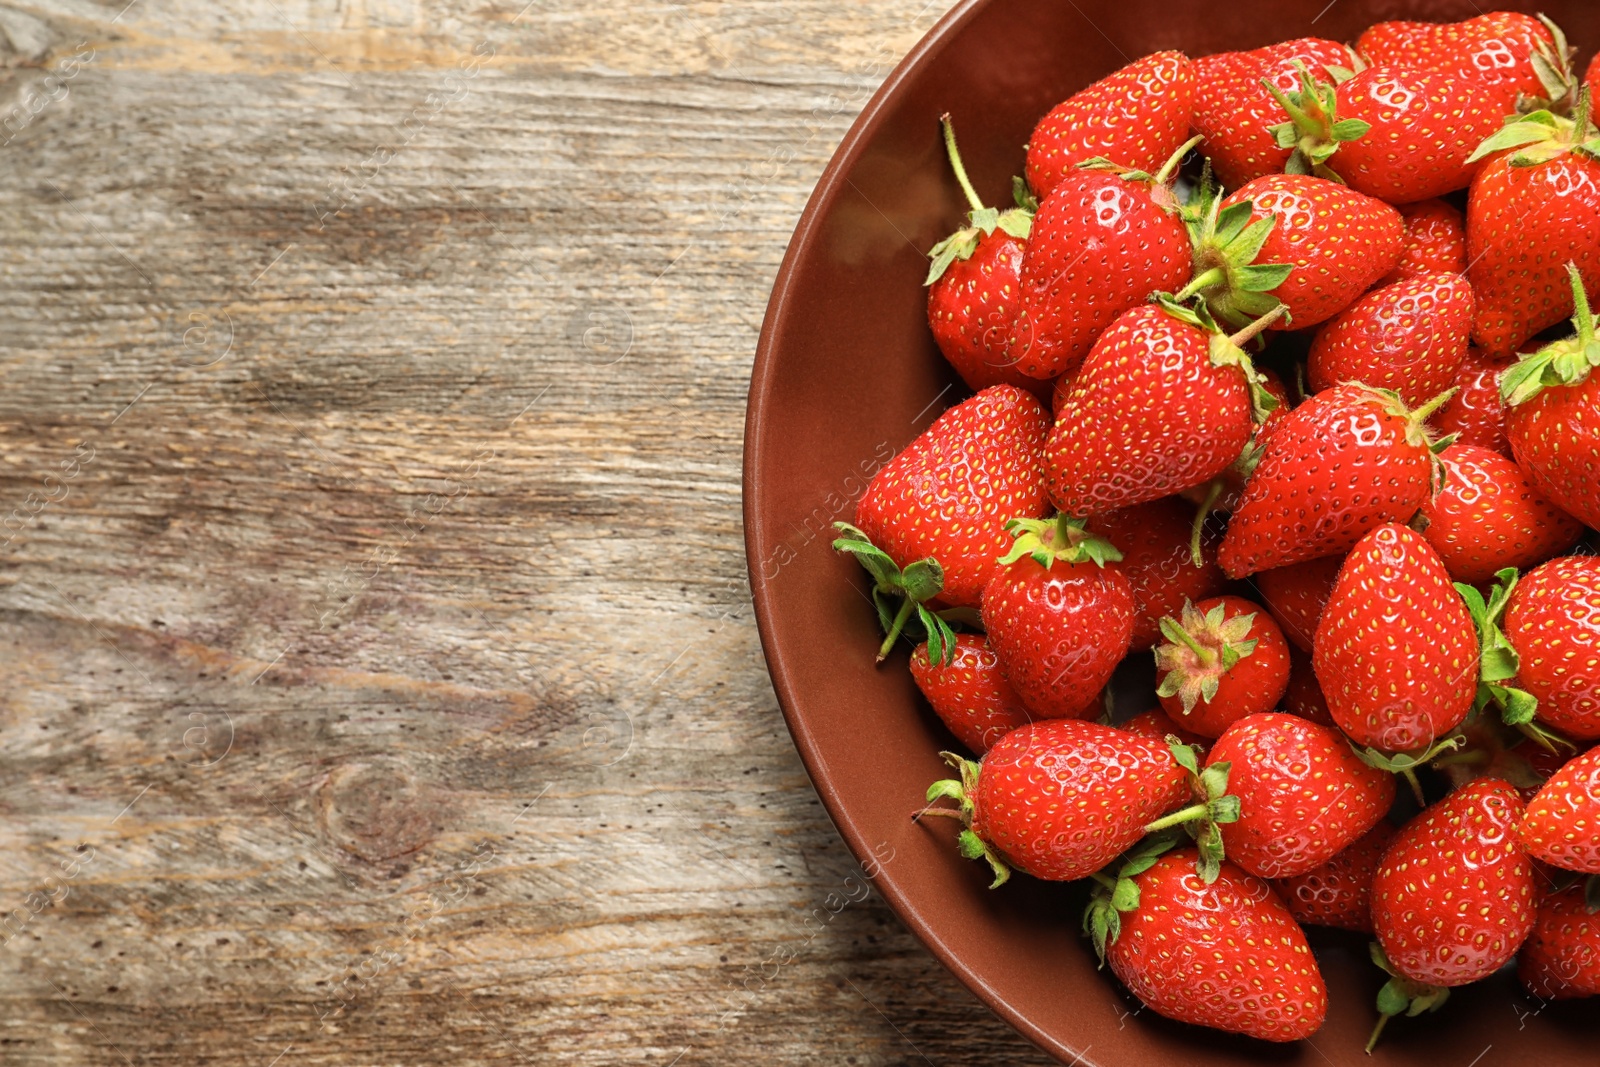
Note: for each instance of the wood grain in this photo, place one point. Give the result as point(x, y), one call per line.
point(377, 678)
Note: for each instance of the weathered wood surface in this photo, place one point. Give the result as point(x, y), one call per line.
point(377, 679)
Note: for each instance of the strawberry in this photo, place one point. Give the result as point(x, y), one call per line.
point(1339, 893)
point(1401, 136)
point(1488, 517)
point(1476, 415)
point(1059, 613)
point(1562, 824)
point(1453, 898)
point(1224, 660)
point(1303, 794)
point(1227, 955)
point(1410, 337)
point(1164, 402)
point(1323, 245)
point(1157, 724)
point(1130, 223)
point(1396, 652)
point(1506, 52)
point(1059, 799)
point(968, 692)
point(1552, 622)
point(1136, 117)
point(1534, 208)
point(1222, 492)
point(950, 493)
point(1296, 595)
point(1436, 240)
point(1156, 559)
point(974, 281)
point(1303, 697)
point(1591, 77)
point(1561, 958)
point(1234, 110)
point(1553, 421)
point(1346, 460)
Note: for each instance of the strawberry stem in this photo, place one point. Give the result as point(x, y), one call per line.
point(1377, 1032)
point(1170, 167)
point(901, 617)
point(1178, 818)
point(956, 164)
point(1104, 879)
point(1250, 332)
point(1416, 789)
point(1214, 276)
point(1213, 491)
point(1421, 414)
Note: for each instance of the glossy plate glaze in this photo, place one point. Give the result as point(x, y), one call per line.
point(846, 375)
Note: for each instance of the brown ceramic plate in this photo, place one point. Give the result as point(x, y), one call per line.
point(847, 374)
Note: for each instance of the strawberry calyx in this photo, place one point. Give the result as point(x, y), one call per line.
point(1199, 651)
point(1203, 819)
point(962, 791)
point(1401, 996)
point(1552, 63)
point(1160, 182)
point(1235, 288)
point(1063, 538)
point(1117, 893)
point(1314, 129)
point(1564, 362)
point(1542, 135)
point(1499, 663)
point(1405, 764)
point(901, 595)
point(1017, 221)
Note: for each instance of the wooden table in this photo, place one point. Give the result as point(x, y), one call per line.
point(378, 681)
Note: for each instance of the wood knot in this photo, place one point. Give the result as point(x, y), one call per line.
point(376, 809)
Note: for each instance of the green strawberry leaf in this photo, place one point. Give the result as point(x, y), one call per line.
point(985, 219)
point(922, 580)
point(1530, 129)
point(1261, 277)
point(1243, 249)
point(1016, 222)
point(1285, 134)
point(1340, 75)
point(1125, 897)
point(1350, 130)
point(1230, 222)
point(958, 246)
point(1022, 196)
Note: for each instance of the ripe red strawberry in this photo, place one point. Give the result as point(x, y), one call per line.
point(1060, 799)
point(1221, 494)
point(1059, 614)
point(1227, 955)
point(1409, 337)
point(1223, 660)
point(1562, 824)
point(1436, 240)
point(1497, 51)
point(1396, 651)
point(950, 493)
point(1296, 595)
point(1534, 208)
point(1136, 117)
point(1339, 892)
point(1325, 246)
point(1156, 559)
point(1552, 621)
point(1453, 898)
point(1303, 794)
point(1163, 402)
point(1156, 724)
point(1234, 110)
point(974, 283)
point(1101, 243)
point(1398, 135)
point(1476, 415)
point(1553, 421)
point(1591, 77)
point(1561, 958)
point(1488, 517)
point(968, 693)
point(1340, 464)
point(1304, 696)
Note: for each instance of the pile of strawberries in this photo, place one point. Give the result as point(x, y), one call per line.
point(1273, 379)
